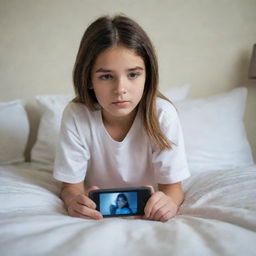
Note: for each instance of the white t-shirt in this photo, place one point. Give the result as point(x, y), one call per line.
point(87, 152)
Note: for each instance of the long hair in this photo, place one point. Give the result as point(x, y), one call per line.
point(102, 34)
point(124, 197)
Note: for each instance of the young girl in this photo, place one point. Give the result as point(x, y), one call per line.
point(119, 131)
point(122, 205)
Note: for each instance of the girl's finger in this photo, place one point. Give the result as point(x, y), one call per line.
point(87, 212)
point(167, 216)
point(166, 213)
point(150, 204)
point(84, 200)
point(156, 208)
point(161, 211)
point(152, 201)
point(79, 215)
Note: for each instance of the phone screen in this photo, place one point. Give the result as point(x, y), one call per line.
point(120, 203)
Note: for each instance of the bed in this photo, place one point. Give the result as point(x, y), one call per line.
point(218, 216)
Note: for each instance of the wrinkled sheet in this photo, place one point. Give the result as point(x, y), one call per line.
point(218, 217)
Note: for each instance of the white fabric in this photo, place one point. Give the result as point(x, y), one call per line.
point(217, 218)
point(214, 132)
point(14, 132)
point(177, 93)
point(86, 149)
point(52, 107)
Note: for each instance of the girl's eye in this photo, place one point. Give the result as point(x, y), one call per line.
point(106, 77)
point(134, 75)
point(109, 77)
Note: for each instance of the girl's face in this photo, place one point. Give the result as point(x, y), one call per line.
point(121, 202)
point(118, 79)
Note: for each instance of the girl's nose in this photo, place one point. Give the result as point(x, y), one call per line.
point(120, 87)
point(120, 91)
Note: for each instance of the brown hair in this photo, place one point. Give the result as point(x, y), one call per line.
point(120, 30)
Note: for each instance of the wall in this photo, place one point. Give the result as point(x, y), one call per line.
point(204, 43)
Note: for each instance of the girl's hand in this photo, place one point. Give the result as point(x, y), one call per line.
point(83, 207)
point(160, 207)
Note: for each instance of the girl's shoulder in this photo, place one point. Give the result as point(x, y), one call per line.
point(79, 114)
point(76, 109)
point(166, 110)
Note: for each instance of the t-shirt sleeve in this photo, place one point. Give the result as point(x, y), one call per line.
point(72, 154)
point(170, 165)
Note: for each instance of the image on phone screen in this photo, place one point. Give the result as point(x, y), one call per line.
point(121, 203)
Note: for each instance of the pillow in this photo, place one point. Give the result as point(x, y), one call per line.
point(214, 131)
point(52, 107)
point(177, 93)
point(14, 132)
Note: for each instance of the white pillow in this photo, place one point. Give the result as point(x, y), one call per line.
point(177, 93)
point(214, 131)
point(14, 132)
point(52, 107)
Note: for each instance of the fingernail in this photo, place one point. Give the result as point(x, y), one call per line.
point(98, 216)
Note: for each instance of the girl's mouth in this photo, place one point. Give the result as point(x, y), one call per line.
point(120, 103)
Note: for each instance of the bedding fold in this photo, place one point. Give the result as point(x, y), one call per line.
point(217, 218)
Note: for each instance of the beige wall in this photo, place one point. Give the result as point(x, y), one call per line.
point(205, 43)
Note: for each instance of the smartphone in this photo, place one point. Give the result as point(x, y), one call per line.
point(120, 201)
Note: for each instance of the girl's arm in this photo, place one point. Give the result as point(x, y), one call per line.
point(76, 201)
point(164, 204)
point(174, 191)
point(69, 191)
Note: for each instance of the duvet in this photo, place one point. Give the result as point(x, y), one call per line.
point(218, 217)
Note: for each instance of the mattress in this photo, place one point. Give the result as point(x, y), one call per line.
point(218, 217)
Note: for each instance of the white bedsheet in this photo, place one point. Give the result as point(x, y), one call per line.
point(218, 217)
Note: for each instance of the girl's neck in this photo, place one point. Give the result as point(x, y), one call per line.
point(119, 127)
point(124, 121)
